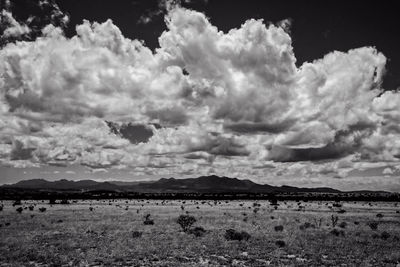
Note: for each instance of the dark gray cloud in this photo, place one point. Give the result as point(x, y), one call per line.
point(19, 152)
point(135, 133)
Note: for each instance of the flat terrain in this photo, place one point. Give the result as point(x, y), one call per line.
point(112, 233)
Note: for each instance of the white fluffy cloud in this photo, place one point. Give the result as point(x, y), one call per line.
point(231, 102)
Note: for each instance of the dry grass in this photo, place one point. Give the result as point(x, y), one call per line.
point(72, 235)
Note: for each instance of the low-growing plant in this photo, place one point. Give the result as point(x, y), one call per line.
point(232, 234)
point(148, 220)
point(186, 221)
point(136, 234)
point(379, 215)
point(334, 220)
point(64, 201)
point(342, 225)
point(42, 209)
point(337, 232)
point(373, 225)
point(17, 202)
point(385, 235)
point(197, 231)
point(19, 210)
point(278, 228)
point(280, 243)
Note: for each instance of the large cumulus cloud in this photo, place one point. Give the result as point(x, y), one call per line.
point(205, 101)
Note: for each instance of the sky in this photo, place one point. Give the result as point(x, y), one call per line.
point(301, 93)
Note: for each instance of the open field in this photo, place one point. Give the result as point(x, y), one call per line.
point(113, 233)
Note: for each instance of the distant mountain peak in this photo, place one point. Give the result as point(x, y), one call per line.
point(202, 184)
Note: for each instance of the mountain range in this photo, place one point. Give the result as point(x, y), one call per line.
point(203, 184)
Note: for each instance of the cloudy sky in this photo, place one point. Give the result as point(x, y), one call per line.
point(291, 92)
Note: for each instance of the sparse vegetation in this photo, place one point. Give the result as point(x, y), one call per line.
point(148, 220)
point(334, 220)
point(137, 234)
point(280, 243)
point(229, 234)
point(232, 234)
point(197, 231)
point(373, 225)
point(186, 221)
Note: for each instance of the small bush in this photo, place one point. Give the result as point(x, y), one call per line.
point(136, 234)
point(232, 234)
point(197, 231)
point(19, 210)
point(186, 221)
point(373, 225)
point(1, 207)
point(306, 225)
point(280, 243)
point(64, 201)
point(42, 209)
point(278, 228)
point(17, 202)
point(91, 208)
point(379, 215)
point(356, 223)
point(337, 232)
point(342, 225)
point(148, 220)
point(31, 208)
point(385, 235)
point(334, 220)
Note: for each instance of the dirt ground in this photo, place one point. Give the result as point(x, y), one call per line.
point(113, 233)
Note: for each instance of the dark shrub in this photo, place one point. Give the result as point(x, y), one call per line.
point(232, 234)
point(373, 225)
point(1, 207)
point(337, 205)
point(356, 223)
point(17, 202)
point(197, 231)
point(136, 234)
point(148, 220)
point(64, 201)
point(342, 225)
point(186, 221)
point(337, 232)
point(31, 208)
point(42, 209)
point(334, 220)
point(278, 228)
point(280, 243)
point(306, 225)
point(91, 208)
point(19, 210)
point(385, 235)
point(379, 215)
point(341, 211)
point(375, 235)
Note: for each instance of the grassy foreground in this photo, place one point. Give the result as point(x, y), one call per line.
point(113, 233)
